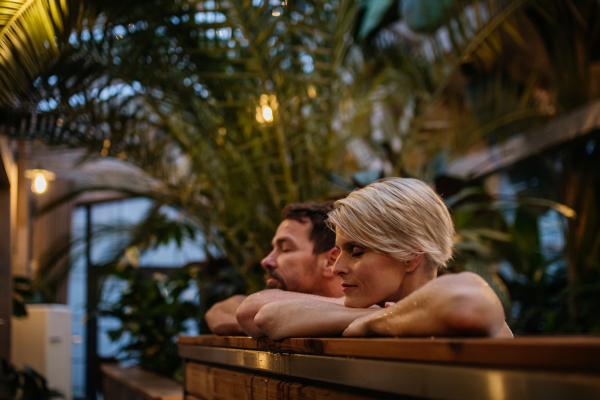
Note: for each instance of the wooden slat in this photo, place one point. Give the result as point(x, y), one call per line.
point(213, 383)
point(148, 385)
point(573, 353)
point(217, 383)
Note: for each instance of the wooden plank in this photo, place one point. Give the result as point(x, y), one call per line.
point(213, 383)
point(574, 353)
point(147, 385)
point(275, 389)
point(217, 383)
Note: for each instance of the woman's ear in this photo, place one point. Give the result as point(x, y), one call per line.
point(412, 264)
point(331, 257)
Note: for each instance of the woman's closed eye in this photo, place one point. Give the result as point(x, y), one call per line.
point(357, 251)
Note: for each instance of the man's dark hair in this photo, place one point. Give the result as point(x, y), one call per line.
point(322, 237)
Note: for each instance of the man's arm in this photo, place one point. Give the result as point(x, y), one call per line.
point(250, 307)
point(306, 317)
point(451, 305)
point(221, 316)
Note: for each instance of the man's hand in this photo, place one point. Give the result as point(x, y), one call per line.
point(221, 316)
point(451, 305)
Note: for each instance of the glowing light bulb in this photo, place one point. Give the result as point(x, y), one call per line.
point(39, 184)
point(267, 113)
point(39, 179)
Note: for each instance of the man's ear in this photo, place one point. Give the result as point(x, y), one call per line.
point(331, 256)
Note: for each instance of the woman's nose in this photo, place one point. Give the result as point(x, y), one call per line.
point(340, 267)
point(269, 261)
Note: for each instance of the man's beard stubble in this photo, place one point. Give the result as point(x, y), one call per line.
point(279, 284)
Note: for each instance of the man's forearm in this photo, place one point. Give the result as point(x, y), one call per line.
point(248, 310)
point(306, 317)
point(220, 318)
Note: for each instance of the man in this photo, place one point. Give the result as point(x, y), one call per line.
point(299, 266)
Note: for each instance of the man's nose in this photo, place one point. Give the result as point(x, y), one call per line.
point(269, 261)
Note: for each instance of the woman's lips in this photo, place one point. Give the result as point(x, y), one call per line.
point(346, 286)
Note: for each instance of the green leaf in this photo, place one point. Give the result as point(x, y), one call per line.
point(27, 42)
point(373, 14)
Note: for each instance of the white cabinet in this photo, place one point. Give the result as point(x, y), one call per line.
point(42, 340)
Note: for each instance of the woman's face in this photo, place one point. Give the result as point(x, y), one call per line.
point(367, 277)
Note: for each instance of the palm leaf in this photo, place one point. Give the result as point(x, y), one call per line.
point(28, 31)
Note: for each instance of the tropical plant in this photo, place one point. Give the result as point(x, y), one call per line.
point(29, 42)
point(498, 238)
point(22, 293)
point(27, 384)
point(226, 105)
point(153, 312)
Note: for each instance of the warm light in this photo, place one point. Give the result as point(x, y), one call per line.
point(39, 179)
point(267, 113)
point(312, 92)
point(39, 184)
point(266, 109)
point(276, 13)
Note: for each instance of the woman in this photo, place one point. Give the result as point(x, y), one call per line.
point(392, 235)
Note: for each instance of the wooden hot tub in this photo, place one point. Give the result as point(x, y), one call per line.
point(453, 369)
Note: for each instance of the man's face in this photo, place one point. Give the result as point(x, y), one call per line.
point(292, 265)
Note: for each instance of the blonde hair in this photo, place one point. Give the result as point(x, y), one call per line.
point(399, 217)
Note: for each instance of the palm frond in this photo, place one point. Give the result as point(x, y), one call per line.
point(28, 45)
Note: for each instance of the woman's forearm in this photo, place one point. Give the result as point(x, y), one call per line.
point(302, 318)
point(452, 305)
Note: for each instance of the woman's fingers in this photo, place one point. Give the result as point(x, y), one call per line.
point(359, 327)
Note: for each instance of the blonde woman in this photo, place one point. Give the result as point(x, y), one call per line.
point(392, 237)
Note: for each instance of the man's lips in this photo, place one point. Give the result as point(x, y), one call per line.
point(346, 286)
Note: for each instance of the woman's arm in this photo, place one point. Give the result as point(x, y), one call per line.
point(306, 317)
point(249, 308)
point(451, 305)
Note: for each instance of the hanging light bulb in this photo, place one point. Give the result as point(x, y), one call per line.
point(39, 179)
point(267, 113)
point(39, 184)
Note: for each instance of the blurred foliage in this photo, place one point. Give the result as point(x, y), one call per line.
point(28, 33)
point(153, 312)
point(27, 384)
point(22, 294)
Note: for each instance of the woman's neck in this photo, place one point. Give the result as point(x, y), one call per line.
point(416, 279)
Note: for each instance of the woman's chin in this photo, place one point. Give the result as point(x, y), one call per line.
point(353, 302)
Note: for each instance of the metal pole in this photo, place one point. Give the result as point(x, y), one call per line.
point(92, 322)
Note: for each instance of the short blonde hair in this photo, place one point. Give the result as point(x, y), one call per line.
point(399, 217)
